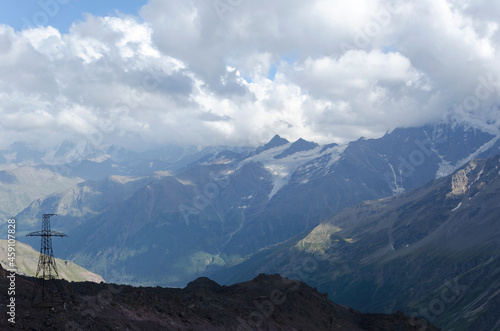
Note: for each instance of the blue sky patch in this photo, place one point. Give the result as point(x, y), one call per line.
point(60, 14)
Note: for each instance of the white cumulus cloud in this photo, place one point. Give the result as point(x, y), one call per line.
point(237, 72)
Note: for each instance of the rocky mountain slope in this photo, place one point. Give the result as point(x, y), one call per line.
point(265, 303)
point(20, 185)
point(431, 252)
point(27, 263)
point(80, 202)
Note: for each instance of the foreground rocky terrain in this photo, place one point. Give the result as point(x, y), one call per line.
point(268, 302)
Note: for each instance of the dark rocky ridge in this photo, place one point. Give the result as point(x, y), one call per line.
point(300, 145)
point(275, 142)
point(268, 302)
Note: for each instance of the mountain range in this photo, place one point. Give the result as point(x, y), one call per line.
point(221, 209)
point(142, 219)
point(432, 251)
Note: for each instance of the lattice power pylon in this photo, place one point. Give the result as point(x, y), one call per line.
point(47, 292)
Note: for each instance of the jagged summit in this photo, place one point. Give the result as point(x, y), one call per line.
point(202, 283)
point(300, 145)
point(275, 142)
point(328, 146)
point(21, 152)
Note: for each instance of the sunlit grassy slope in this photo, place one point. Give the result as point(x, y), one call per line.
point(26, 260)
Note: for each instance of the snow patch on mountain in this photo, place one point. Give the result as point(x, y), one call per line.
point(336, 154)
point(68, 152)
point(486, 120)
point(479, 174)
point(397, 189)
point(445, 168)
point(281, 169)
point(456, 208)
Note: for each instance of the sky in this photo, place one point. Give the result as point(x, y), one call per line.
point(142, 74)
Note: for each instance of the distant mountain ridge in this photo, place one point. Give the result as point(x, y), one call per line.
point(276, 141)
point(19, 186)
point(226, 206)
point(91, 162)
point(300, 145)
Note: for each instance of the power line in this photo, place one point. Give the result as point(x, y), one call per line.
point(47, 291)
